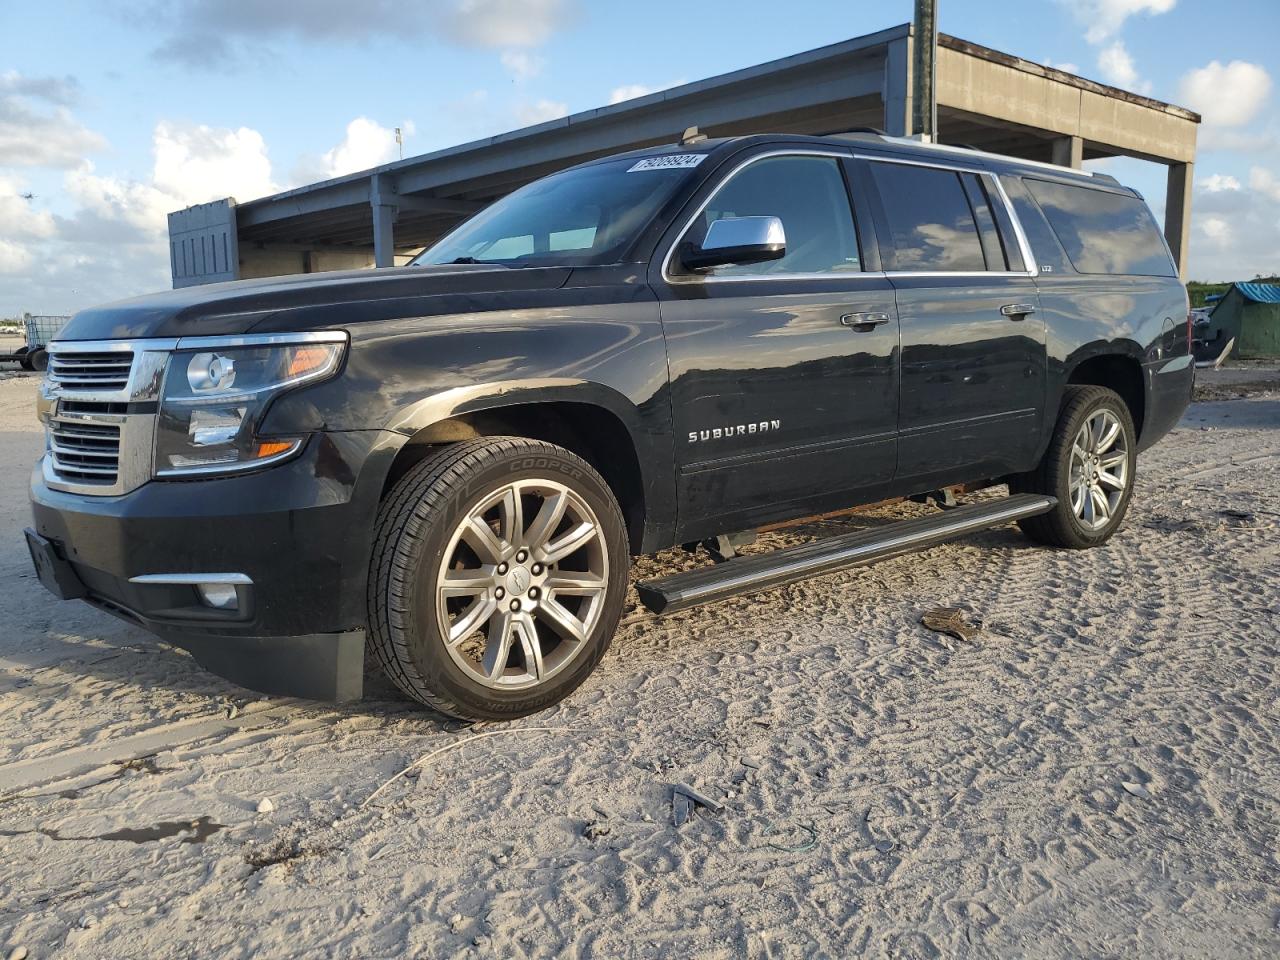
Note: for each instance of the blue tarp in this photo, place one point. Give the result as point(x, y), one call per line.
point(1260, 292)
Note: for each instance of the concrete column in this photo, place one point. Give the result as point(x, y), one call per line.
point(896, 93)
point(1069, 152)
point(385, 208)
point(1177, 213)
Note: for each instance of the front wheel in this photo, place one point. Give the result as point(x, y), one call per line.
point(1090, 467)
point(498, 576)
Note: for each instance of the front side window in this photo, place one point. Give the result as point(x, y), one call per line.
point(931, 223)
point(588, 215)
point(1103, 232)
point(808, 195)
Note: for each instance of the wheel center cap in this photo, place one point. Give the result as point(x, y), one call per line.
point(518, 580)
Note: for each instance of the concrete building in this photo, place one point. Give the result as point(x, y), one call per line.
point(985, 99)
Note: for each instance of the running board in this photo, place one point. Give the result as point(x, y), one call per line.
point(749, 574)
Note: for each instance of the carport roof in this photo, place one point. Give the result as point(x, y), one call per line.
point(827, 90)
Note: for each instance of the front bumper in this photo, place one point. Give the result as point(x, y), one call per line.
point(300, 532)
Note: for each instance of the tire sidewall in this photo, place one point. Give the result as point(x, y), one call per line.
point(425, 555)
point(1071, 426)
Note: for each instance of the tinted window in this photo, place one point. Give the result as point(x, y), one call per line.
point(590, 214)
point(1048, 252)
point(808, 195)
point(1103, 232)
point(931, 225)
point(992, 249)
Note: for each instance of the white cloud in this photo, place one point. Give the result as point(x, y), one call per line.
point(630, 92)
point(36, 128)
point(521, 65)
point(1218, 182)
point(529, 114)
point(366, 144)
point(195, 164)
point(505, 23)
point(211, 34)
point(1104, 18)
point(1217, 231)
point(1117, 67)
point(14, 258)
point(63, 91)
point(1066, 67)
point(1265, 182)
point(1226, 95)
point(19, 215)
point(1236, 232)
point(114, 243)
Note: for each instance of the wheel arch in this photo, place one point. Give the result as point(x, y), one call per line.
point(583, 418)
point(1116, 369)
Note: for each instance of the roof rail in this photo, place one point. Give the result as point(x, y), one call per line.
point(854, 133)
point(960, 148)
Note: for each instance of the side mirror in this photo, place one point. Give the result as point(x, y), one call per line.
point(737, 240)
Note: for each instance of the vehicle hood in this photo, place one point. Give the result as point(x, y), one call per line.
point(317, 300)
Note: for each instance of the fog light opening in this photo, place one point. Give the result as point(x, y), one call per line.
point(219, 596)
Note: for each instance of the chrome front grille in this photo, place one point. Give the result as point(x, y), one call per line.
point(98, 404)
point(91, 371)
point(84, 450)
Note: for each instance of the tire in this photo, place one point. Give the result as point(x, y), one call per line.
point(38, 359)
point(425, 536)
point(1080, 519)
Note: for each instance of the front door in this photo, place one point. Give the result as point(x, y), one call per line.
point(784, 374)
point(973, 343)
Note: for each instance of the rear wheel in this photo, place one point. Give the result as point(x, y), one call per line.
point(498, 576)
point(1090, 467)
point(37, 359)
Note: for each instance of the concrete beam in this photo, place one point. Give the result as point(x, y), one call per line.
point(1069, 152)
point(897, 88)
point(385, 209)
point(1006, 88)
point(1177, 213)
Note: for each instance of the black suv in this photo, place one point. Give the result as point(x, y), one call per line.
point(453, 461)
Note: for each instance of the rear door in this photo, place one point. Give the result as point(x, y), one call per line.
point(973, 341)
point(784, 378)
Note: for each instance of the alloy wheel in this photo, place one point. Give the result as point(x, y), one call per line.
point(1099, 470)
point(522, 585)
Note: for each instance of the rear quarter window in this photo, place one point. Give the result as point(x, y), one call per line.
point(1103, 232)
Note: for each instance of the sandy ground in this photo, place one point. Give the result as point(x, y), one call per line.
point(1095, 774)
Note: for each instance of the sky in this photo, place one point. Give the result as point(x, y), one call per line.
point(114, 113)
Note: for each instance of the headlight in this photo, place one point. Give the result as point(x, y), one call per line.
point(216, 392)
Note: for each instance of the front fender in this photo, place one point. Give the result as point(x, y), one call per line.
point(403, 376)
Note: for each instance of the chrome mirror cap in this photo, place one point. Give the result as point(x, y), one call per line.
point(737, 240)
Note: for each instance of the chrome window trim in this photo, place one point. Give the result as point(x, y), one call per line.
point(1024, 246)
point(834, 153)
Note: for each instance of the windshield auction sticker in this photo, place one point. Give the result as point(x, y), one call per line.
point(668, 162)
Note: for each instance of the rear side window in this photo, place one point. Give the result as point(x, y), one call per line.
point(931, 223)
point(1103, 232)
point(1045, 248)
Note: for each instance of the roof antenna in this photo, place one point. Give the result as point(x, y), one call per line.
point(691, 135)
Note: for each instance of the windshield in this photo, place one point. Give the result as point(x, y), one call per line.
point(583, 216)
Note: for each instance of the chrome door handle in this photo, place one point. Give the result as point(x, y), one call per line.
point(864, 321)
point(1016, 311)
